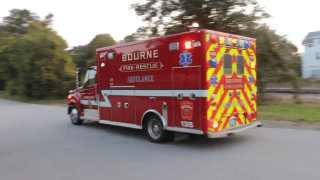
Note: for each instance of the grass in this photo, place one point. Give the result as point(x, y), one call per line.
point(47, 101)
point(288, 111)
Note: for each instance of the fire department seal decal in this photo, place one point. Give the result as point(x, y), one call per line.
point(186, 110)
point(185, 58)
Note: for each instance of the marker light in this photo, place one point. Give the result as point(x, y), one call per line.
point(103, 56)
point(221, 40)
point(228, 41)
point(234, 41)
point(252, 65)
point(213, 39)
point(69, 97)
point(213, 96)
point(240, 43)
point(215, 124)
point(188, 44)
point(246, 44)
point(252, 45)
point(213, 63)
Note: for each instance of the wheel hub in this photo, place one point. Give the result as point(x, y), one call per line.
point(154, 129)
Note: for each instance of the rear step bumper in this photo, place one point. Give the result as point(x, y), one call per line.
point(233, 130)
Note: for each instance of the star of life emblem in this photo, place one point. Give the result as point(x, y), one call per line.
point(251, 79)
point(214, 80)
point(185, 59)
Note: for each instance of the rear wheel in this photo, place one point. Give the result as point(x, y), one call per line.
point(154, 129)
point(74, 116)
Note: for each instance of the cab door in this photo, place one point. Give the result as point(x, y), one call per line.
point(88, 100)
point(186, 84)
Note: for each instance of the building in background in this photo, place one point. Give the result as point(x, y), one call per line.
point(310, 61)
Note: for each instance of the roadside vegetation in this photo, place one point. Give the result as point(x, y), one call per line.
point(302, 83)
point(47, 101)
point(282, 108)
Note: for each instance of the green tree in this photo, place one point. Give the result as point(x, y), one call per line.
point(274, 52)
point(41, 64)
point(7, 40)
point(175, 16)
point(17, 21)
point(85, 56)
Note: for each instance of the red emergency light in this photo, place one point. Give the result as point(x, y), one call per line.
point(213, 39)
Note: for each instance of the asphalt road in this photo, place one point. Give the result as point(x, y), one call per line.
point(39, 142)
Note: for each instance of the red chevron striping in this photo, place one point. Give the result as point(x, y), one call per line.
point(249, 71)
point(226, 109)
point(226, 122)
point(239, 120)
point(220, 102)
point(242, 107)
point(233, 59)
point(249, 87)
point(216, 90)
point(247, 99)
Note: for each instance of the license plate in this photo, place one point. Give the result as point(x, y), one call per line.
point(232, 121)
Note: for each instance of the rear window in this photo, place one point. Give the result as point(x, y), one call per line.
point(227, 64)
point(240, 65)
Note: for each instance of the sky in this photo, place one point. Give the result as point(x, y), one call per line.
point(78, 22)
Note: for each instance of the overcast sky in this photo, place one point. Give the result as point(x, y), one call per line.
point(78, 22)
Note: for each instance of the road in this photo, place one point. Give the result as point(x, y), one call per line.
point(39, 142)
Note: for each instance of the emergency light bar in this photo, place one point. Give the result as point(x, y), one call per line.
point(246, 44)
point(221, 40)
point(228, 41)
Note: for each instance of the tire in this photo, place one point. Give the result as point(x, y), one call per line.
point(154, 130)
point(74, 116)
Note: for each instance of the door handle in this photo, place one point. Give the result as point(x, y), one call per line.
point(180, 96)
point(192, 96)
point(126, 105)
point(119, 104)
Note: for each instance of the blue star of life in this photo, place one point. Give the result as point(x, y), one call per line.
point(185, 58)
point(214, 80)
point(251, 80)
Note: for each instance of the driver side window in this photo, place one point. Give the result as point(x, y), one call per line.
point(90, 79)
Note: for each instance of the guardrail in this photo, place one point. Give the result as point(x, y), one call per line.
point(291, 90)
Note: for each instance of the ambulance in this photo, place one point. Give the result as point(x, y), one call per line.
point(200, 82)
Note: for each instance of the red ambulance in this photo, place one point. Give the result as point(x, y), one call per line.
point(201, 82)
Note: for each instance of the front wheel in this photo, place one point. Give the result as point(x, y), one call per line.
point(74, 116)
point(154, 130)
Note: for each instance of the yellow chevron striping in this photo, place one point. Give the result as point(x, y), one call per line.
point(211, 48)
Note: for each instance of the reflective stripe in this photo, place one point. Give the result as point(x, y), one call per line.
point(148, 93)
point(106, 102)
point(159, 93)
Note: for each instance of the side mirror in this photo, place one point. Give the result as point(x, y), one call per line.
point(78, 77)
